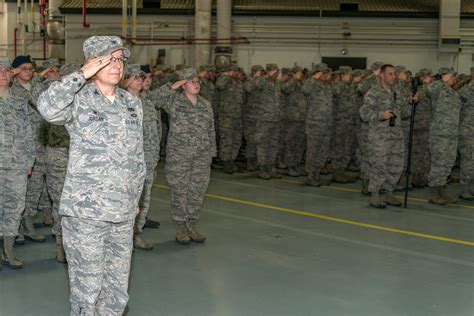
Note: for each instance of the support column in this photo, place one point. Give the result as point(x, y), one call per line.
point(202, 46)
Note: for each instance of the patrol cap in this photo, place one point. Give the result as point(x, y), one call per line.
point(187, 73)
point(96, 46)
point(321, 67)
point(5, 62)
point(134, 70)
point(285, 71)
point(336, 73)
point(68, 69)
point(345, 70)
point(425, 72)
point(271, 67)
point(357, 73)
point(20, 60)
point(146, 69)
point(446, 70)
point(376, 65)
point(366, 72)
point(51, 63)
point(296, 69)
point(233, 67)
point(472, 70)
point(400, 68)
point(256, 68)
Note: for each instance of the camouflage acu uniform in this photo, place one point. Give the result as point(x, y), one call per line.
point(268, 120)
point(363, 133)
point(344, 126)
point(208, 92)
point(105, 175)
point(249, 115)
point(420, 162)
point(466, 141)
point(294, 115)
point(151, 146)
point(36, 193)
point(230, 116)
point(17, 153)
point(319, 124)
point(191, 146)
point(386, 147)
point(444, 132)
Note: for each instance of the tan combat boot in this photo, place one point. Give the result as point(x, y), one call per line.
point(60, 254)
point(338, 177)
point(251, 164)
point(48, 219)
point(139, 243)
point(365, 187)
point(391, 200)
point(435, 198)
point(376, 201)
point(292, 172)
point(263, 173)
point(193, 234)
point(8, 256)
point(314, 180)
point(29, 230)
point(228, 167)
point(466, 193)
point(444, 195)
point(182, 236)
point(273, 173)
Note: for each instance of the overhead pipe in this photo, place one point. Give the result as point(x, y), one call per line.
point(134, 18)
point(15, 30)
point(202, 29)
point(124, 18)
point(84, 15)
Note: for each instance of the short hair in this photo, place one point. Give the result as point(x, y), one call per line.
point(385, 66)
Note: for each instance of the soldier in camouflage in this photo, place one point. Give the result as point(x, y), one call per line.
point(208, 89)
point(231, 100)
point(267, 131)
point(444, 134)
point(371, 78)
point(16, 163)
point(133, 82)
point(382, 110)
point(420, 162)
point(294, 115)
point(466, 142)
point(22, 87)
point(249, 116)
point(105, 175)
point(345, 112)
point(191, 146)
point(319, 122)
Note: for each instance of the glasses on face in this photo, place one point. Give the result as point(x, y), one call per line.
point(195, 81)
point(121, 59)
point(27, 69)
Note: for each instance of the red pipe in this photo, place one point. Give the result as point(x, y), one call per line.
point(15, 30)
point(84, 14)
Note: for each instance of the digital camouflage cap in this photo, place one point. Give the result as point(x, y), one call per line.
point(97, 46)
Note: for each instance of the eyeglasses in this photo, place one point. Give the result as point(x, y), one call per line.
point(27, 69)
point(195, 81)
point(121, 59)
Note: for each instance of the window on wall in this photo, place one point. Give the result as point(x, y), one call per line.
point(354, 62)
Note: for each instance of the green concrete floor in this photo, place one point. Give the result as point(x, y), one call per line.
point(281, 248)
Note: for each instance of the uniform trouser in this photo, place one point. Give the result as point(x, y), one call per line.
point(317, 151)
point(56, 169)
point(386, 161)
point(466, 150)
point(355, 147)
point(343, 143)
point(230, 133)
point(188, 177)
point(266, 139)
point(363, 140)
point(421, 158)
point(294, 142)
point(145, 198)
point(12, 200)
point(443, 157)
point(249, 126)
point(98, 255)
point(281, 142)
point(164, 131)
point(406, 140)
point(36, 191)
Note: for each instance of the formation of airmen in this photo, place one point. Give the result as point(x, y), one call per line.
point(327, 126)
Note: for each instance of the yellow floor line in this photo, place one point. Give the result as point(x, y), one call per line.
point(334, 219)
point(358, 191)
